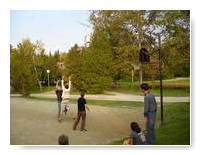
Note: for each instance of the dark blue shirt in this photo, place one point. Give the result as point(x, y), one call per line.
point(150, 104)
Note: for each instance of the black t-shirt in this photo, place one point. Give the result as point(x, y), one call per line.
point(81, 104)
point(59, 94)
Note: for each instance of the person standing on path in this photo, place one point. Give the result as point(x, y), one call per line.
point(66, 95)
point(81, 113)
point(150, 107)
point(59, 92)
point(66, 89)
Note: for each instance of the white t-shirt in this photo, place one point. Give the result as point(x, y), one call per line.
point(66, 94)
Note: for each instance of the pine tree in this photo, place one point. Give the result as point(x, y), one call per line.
point(97, 64)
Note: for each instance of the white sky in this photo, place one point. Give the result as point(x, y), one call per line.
point(57, 29)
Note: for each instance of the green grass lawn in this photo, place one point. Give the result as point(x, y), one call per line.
point(105, 103)
point(176, 127)
point(36, 98)
point(44, 89)
point(170, 88)
point(74, 92)
point(37, 90)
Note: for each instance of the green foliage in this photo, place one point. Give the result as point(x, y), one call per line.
point(22, 74)
point(112, 54)
point(72, 66)
point(176, 53)
point(129, 30)
point(46, 62)
point(28, 66)
point(97, 67)
point(44, 89)
point(91, 68)
point(176, 41)
point(113, 51)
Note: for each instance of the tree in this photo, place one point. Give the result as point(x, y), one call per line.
point(97, 64)
point(46, 62)
point(37, 62)
point(72, 65)
point(129, 31)
point(176, 42)
point(22, 73)
point(30, 60)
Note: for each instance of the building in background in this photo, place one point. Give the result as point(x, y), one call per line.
point(87, 40)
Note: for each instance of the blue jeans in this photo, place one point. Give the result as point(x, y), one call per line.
point(150, 134)
point(59, 109)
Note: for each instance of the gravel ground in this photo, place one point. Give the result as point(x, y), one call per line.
point(116, 97)
point(35, 122)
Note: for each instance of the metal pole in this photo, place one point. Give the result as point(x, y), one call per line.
point(160, 72)
point(48, 79)
point(140, 74)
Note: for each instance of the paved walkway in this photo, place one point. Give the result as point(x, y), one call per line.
point(114, 96)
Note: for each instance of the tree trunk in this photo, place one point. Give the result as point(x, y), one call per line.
point(140, 46)
point(132, 73)
point(40, 85)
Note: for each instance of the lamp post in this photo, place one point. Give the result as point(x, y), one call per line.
point(48, 71)
point(160, 74)
point(144, 58)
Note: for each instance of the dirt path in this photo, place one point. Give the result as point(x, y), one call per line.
point(35, 122)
